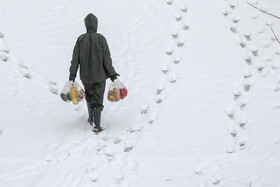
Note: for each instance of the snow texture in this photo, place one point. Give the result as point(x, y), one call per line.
point(203, 104)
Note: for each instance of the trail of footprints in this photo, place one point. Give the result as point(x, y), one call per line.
point(259, 64)
point(178, 38)
point(26, 73)
point(23, 69)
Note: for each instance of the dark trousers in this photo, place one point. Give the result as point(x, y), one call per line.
point(95, 94)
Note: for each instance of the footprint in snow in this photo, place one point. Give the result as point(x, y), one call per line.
point(247, 87)
point(180, 43)
point(248, 59)
point(158, 99)
point(277, 52)
point(105, 139)
point(235, 19)
point(230, 113)
point(217, 180)
point(164, 69)
point(117, 141)
point(144, 109)
point(225, 11)
point(53, 83)
point(178, 17)
point(173, 78)
point(168, 179)
point(260, 67)
point(177, 60)
point(243, 103)
point(184, 9)
point(54, 90)
point(242, 44)
point(128, 149)
point(109, 154)
point(23, 69)
point(133, 130)
point(94, 179)
point(27, 75)
point(119, 179)
point(169, 51)
point(232, 4)
point(175, 34)
point(232, 132)
point(100, 146)
point(247, 36)
point(186, 27)
point(4, 51)
point(152, 119)
point(247, 74)
point(89, 170)
point(1, 35)
point(233, 28)
point(198, 170)
point(254, 51)
point(237, 93)
point(169, 2)
point(160, 88)
point(242, 123)
point(22, 66)
point(230, 147)
point(242, 143)
point(4, 57)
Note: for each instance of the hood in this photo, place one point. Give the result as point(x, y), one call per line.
point(91, 23)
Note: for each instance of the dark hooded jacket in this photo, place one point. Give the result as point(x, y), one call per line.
point(92, 54)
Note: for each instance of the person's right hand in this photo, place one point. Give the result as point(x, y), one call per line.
point(114, 77)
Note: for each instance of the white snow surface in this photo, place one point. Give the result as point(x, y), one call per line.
point(203, 103)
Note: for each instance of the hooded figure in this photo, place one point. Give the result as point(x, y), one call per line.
point(92, 55)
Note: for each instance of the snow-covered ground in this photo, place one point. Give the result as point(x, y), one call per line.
point(203, 105)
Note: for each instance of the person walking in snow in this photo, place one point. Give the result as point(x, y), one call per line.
point(92, 55)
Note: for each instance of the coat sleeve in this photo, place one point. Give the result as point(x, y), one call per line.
point(107, 60)
point(75, 61)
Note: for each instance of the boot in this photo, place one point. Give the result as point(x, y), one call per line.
point(97, 118)
point(90, 113)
